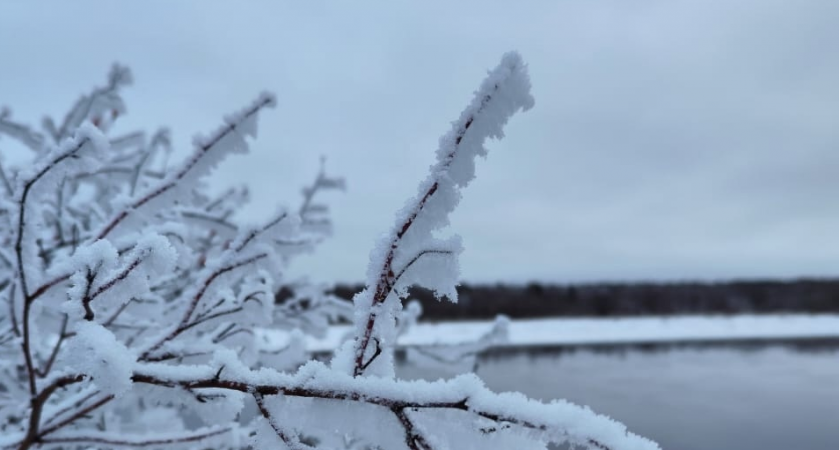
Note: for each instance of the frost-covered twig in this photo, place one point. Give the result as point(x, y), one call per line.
point(207, 154)
point(26, 135)
point(558, 421)
point(503, 93)
point(56, 162)
point(413, 438)
point(184, 324)
point(139, 312)
point(96, 106)
point(291, 441)
point(311, 213)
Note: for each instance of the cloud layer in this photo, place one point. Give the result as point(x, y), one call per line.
point(670, 140)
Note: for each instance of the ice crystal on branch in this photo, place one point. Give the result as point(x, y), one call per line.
point(409, 254)
point(137, 313)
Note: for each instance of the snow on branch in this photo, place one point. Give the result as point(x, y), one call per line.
point(73, 156)
point(314, 215)
point(26, 135)
point(208, 152)
point(137, 312)
point(558, 421)
point(505, 91)
point(101, 106)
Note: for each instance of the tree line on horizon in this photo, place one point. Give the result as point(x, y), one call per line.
point(485, 301)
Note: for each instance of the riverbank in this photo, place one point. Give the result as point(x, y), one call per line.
point(560, 332)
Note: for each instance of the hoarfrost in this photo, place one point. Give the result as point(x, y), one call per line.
point(95, 352)
point(138, 313)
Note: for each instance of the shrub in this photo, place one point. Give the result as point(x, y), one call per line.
point(138, 313)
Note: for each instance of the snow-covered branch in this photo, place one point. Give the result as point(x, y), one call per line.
point(138, 311)
point(208, 153)
point(505, 91)
point(100, 107)
point(27, 136)
point(558, 421)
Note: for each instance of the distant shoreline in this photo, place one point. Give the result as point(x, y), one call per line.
point(609, 332)
point(535, 300)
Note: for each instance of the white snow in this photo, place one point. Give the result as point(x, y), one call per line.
point(587, 331)
point(95, 351)
point(412, 239)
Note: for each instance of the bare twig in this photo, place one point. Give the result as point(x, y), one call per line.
point(417, 257)
point(291, 441)
point(184, 324)
point(62, 334)
point(37, 403)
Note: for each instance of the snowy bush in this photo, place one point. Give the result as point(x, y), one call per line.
point(133, 305)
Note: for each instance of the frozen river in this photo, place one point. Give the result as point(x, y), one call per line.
point(741, 397)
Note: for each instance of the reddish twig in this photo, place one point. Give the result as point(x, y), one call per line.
point(62, 334)
point(76, 416)
point(37, 404)
point(413, 438)
point(170, 184)
point(64, 410)
point(21, 227)
point(292, 442)
point(387, 279)
point(184, 324)
point(416, 258)
point(47, 286)
point(90, 297)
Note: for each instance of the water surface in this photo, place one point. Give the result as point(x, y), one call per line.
point(754, 397)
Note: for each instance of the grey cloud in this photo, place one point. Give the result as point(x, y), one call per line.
point(670, 139)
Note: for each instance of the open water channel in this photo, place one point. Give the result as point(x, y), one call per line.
point(764, 396)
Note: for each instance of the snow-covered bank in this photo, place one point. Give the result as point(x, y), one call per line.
point(631, 330)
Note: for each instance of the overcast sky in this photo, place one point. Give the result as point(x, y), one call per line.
point(670, 139)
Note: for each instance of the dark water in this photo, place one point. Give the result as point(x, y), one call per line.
point(755, 397)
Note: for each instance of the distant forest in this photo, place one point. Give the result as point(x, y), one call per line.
point(626, 299)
